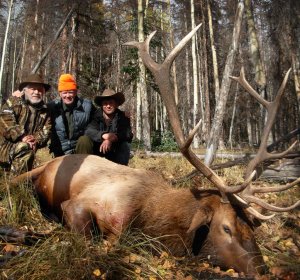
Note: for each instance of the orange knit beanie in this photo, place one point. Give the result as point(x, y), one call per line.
point(66, 82)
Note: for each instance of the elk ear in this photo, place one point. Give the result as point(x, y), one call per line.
point(200, 218)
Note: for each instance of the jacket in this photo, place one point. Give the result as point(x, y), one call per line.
point(17, 119)
point(61, 142)
point(119, 125)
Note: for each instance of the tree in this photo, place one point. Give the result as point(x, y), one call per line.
point(4, 46)
point(214, 137)
point(141, 85)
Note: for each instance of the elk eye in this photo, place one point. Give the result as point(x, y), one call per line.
point(227, 229)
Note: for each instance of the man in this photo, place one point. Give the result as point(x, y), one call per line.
point(70, 116)
point(110, 128)
point(24, 125)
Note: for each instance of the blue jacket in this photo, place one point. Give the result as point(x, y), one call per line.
point(61, 142)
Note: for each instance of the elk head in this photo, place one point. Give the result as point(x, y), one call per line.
point(228, 234)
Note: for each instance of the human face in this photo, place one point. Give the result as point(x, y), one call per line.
point(34, 93)
point(68, 96)
point(109, 106)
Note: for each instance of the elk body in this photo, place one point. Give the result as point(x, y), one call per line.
point(83, 190)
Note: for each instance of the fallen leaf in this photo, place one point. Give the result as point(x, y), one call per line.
point(97, 272)
point(11, 248)
point(266, 258)
point(230, 271)
point(138, 270)
point(164, 255)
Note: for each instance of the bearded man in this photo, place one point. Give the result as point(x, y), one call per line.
point(24, 125)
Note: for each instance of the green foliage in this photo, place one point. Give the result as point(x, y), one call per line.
point(164, 142)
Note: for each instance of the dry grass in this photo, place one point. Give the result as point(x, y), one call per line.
point(66, 255)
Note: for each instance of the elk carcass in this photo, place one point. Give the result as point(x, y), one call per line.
point(84, 190)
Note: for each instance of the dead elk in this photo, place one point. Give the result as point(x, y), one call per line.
point(82, 190)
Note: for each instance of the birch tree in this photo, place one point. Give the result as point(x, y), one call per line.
point(260, 77)
point(216, 130)
point(143, 124)
point(4, 46)
point(195, 77)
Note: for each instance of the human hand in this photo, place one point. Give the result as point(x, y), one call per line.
point(105, 146)
point(31, 141)
point(112, 137)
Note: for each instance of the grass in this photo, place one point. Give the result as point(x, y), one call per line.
point(67, 255)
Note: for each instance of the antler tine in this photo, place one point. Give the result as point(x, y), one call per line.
point(143, 48)
point(244, 83)
point(270, 207)
point(173, 54)
point(190, 138)
point(258, 215)
point(283, 84)
point(282, 154)
point(275, 189)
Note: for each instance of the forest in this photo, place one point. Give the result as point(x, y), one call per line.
point(86, 38)
point(91, 39)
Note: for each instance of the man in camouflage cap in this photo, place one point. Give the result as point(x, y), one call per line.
point(24, 126)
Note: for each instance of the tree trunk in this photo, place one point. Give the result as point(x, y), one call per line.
point(195, 77)
point(206, 123)
point(260, 77)
point(37, 66)
point(233, 116)
point(216, 130)
point(187, 107)
point(214, 54)
point(141, 86)
point(4, 47)
point(171, 47)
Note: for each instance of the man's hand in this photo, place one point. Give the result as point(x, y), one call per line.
point(105, 146)
point(31, 141)
point(112, 137)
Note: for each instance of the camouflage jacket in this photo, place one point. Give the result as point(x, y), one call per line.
point(18, 119)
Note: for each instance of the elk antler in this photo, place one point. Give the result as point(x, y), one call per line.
point(262, 153)
point(161, 73)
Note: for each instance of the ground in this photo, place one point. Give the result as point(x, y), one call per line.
point(65, 255)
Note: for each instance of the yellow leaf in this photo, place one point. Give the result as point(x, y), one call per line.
point(133, 258)
point(289, 243)
point(167, 265)
point(230, 271)
point(138, 270)
point(97, 272)
point(164, 255)
point(206, 265)
point(266, 258)
point(152, 278)
point(126, 259)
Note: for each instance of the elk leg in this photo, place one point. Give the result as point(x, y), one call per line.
point(77, 217)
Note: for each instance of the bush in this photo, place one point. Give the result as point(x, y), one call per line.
point(164, 142)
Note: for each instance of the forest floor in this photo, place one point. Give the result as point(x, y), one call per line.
point(65, 255)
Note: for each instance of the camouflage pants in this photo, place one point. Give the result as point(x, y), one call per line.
point(20, 158)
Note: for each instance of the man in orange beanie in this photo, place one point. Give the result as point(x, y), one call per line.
point(70, 116)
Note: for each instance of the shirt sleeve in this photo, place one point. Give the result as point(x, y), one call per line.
point(9, 127)
point(93, 129)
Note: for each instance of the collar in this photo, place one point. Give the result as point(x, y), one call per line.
point(70, 107)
